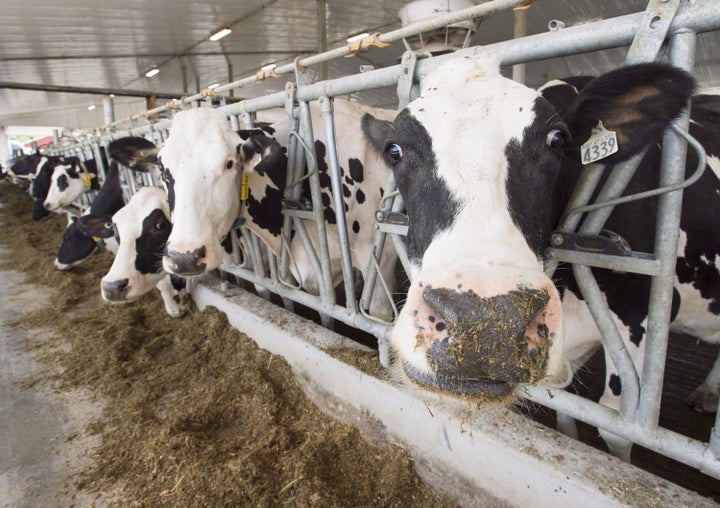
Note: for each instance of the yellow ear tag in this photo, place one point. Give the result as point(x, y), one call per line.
point(244, 188)
point(602, 143)
point(88, 180)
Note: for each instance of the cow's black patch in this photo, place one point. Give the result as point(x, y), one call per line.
point(430, 206)
point(62, 182)
point(615, 385)
point(329, 214)
point(356, 226)
point(532, 172)
point(360, 196)
point(75, 245)
point(169, 184)
point(150, 245)
point(356, 170)
point(178, 283)
point(267, 211)
point(346, 191)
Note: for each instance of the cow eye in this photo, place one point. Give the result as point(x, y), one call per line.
point(394, 152)
point(229, 164)
point(556, 138)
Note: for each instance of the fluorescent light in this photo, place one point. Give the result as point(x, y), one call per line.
point(357, 37)
point(213, 86)
point(91, 107)
point(268, 67)
point(152, 72)
point(220, 34)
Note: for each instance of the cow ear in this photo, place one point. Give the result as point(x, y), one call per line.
point(636, 102)
point(263, 153)
point(99, 225)
point(376, 131)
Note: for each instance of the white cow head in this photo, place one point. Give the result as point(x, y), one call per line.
point(199, 161)
point(476, 158)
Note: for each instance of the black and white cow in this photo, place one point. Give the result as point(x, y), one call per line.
point(486, 167)
point(58, 182)
point(76, 245)
point(141, 229)
point(200, 158)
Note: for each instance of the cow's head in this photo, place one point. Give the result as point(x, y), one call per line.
point(141, 228)
point(476, 159)
point(75, 247)
point(60, 182)
point(199, 161)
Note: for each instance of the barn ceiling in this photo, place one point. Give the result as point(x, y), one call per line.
point(111, 44)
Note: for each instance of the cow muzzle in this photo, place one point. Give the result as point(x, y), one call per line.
point(187, 263)
point(478, 341)
point(115, 290)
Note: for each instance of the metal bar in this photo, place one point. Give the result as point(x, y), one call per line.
point(84, 90)
point(700, 16)
point(325, 282)
point(612, 341)
point(614, 186)
point(338, 200)
point(668, 443)
point(667, 232)
point(484, 9)
point(338, 312)
point(637, 262)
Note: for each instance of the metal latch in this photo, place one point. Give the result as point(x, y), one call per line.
point(303, 204)
point(392, 222)
point(606, 242)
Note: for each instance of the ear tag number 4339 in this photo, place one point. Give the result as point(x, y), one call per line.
point(602, 143)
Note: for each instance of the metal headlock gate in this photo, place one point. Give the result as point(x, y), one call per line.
point(669, 24)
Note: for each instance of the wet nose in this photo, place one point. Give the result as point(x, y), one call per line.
point(186, 263)
point(115, 290)
point(501, 338)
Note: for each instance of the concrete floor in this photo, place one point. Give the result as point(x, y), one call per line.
point(43, 442)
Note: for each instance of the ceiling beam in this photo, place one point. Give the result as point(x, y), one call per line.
point(86, 90)
point(153, 55)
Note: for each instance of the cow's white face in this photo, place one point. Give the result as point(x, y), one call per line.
point(478, 290)
point(142, 228)
point(66, 185)
point(200, 160)
point(486, 167)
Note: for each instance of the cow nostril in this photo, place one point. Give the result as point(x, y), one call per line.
point(187, 263)
point(115, 289)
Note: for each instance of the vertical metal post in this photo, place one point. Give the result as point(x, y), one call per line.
point(322, 36)
point(108, 109)
point(519, 30)
point(230, 77)
point(672, 171)
point(56, 135)
point(334, 166)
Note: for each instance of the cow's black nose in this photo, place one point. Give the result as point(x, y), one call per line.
point(115, 290)
point(187, 263)
point(487, 336)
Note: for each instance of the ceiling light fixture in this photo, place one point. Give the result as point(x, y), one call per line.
point(220, 34)
point(213, 86)
point(152, 72)
point(357, 37)
point(268, 67)
point(91, 107)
